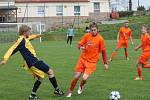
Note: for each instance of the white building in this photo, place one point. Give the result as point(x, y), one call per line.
point(8, 11)
point(59, 11)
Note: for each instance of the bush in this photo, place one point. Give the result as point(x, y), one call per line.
point(141, 8)
point(125, 13)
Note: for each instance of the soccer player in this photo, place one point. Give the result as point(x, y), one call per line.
point(91, 45)
point(36, 66)
point(143, 58)
point(124, 34)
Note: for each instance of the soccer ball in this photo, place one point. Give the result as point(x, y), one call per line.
point(114, 95)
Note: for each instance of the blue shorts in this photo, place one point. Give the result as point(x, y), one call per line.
point(41, 66)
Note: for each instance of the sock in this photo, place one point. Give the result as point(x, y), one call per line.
point(54, 82)
point(73, 83)
point(82, 83)
point(147, 66)
point(113, 54)
point(139, 70)
point(126, 53)
point(35, 87)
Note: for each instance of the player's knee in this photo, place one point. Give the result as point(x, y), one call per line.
point(40, 79)
point(139, 65)
point(85, 77)
point(50, 73)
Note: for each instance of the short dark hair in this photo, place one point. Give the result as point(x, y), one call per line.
point(93, 25)
point(146, 26)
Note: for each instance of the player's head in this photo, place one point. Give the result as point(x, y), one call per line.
point(24, 30)
point(144, 29)
point(126, 24)
point(93, 29)
point(70, 26)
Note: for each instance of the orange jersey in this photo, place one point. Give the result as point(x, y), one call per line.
point(124, 33)
point(93, 47)
point(145, 38)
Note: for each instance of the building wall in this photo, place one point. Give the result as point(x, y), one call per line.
point(68, 8)
point(50, 9)
point(50, 19)
point(4, 3)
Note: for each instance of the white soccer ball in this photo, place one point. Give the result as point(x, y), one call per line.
point(114, 95)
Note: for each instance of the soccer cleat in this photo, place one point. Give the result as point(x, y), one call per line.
point(69, 94)
point(33, 97)
point(58, 92)
point(110, 60)
point(138, 78)
point(127, 58)
point(80, 90)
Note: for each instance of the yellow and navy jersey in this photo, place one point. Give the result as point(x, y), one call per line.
point(24, 46)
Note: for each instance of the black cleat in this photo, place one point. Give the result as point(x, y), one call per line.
point(33, 97)
point(59, 92)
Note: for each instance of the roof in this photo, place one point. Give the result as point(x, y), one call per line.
point(48, 1)
point(8, 7)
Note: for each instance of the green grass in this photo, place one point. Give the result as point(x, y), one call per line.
point(16, 83)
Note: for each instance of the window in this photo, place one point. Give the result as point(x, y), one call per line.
point(43, 28)
point(41, 11)
point(76, 10)
point(59, 10)
point(96, 7)
point(19, 10)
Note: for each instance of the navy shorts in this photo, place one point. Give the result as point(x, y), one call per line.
point(41, 66)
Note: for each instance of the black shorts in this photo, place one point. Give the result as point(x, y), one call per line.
point(41, 66)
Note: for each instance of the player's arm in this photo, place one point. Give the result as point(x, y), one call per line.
point(138, 47)
point(118, 37)
point(104, 56)
point(82, 43)
point(34, 36)
point(12, 50)
point(131, 37)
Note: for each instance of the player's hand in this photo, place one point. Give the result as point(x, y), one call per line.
point(136, 48)
point(106, 66)
point(2, 62)
point(132, 43)
point(82, 48)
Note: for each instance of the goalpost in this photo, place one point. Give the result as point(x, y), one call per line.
point(9, 31)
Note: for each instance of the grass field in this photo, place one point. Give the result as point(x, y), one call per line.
point(16, 83)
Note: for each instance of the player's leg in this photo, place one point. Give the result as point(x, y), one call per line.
point(73, 83)
point(113, 54)
point(67, 39)
point(79, 69)
point(40, 75)
point(53, 81)
point(82, 83)
point(71, 37)
point(90, 68)
point(142, 61)
point(126, 53)
point(139, 71)
point(45, 68)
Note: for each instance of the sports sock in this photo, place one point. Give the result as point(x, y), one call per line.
point(139, 70)
point(113, 54)
point(82, 83)
point(73, 83)
point(54, 82)
point(35, 87)
point(126, 53)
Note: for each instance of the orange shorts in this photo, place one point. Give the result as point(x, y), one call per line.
point(143, 59)
point(84, 66)
point(122, 44)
